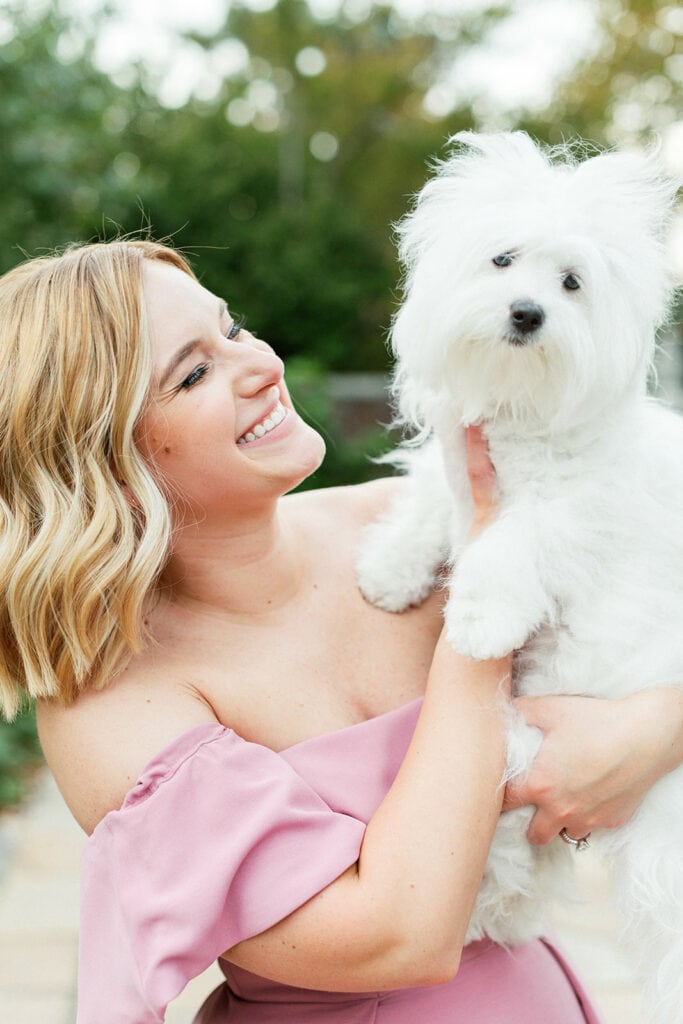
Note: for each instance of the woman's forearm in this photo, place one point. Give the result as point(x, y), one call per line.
point(400, 918)
point(450, 780)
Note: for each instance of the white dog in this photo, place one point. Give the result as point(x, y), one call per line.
point(535, 283)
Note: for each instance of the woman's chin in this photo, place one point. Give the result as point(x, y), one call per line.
point(312, 455)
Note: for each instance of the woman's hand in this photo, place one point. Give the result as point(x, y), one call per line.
point(598, 758)
point(482, 477)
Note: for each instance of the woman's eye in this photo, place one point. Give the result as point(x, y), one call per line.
point(571, 282)
point(504, 259)
point(236, 328)
point(194, 377)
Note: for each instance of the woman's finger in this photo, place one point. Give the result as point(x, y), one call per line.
point(482, 475)
point(542, 829)
point(515, 796)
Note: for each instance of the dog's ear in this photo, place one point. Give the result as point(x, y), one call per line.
point(632, 188)
point(480, 169)
point(504, 150)
point(627, 201)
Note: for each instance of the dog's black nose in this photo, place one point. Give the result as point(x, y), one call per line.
point(526, 316)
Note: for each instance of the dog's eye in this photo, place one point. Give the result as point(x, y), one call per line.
point(504, 259)
point(571, 282)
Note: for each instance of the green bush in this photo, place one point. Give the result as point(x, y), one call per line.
point(348, 460)
point(19, 750)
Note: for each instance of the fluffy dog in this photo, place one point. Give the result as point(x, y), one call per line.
point(535, 283)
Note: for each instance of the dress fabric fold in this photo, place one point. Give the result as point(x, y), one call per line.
point(220, 839)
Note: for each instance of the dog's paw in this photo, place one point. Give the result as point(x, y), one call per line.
point(388, 599)
point(391, 590)
point(483, 629)
point(393, 577)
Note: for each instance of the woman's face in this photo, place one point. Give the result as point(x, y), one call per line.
point(220, 429)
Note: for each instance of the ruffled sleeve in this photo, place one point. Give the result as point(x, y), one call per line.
point(219, 840)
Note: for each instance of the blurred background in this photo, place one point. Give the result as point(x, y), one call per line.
point(276, 141)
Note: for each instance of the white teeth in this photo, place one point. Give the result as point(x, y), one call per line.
point(271, 421)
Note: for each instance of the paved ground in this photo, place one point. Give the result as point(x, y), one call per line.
point(39, 916)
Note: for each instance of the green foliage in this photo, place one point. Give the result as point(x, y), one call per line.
point(301, 245)
point(19, 750)
point(304, 246)
point(629, 86)
point(348, 460)
point(63, 169)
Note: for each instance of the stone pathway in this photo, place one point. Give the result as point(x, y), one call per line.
point(39, 911)
point(39, 925)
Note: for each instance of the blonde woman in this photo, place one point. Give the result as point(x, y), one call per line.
point(270, 770)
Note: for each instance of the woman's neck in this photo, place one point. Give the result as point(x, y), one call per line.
point(242, 568)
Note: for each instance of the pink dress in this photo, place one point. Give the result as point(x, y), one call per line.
point(221, 838)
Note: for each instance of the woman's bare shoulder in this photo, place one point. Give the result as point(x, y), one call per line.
point(97, 747)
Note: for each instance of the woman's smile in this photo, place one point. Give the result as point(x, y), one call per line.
point(266, 426)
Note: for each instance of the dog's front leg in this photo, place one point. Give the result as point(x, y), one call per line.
point(498, 597)
point(402, 554)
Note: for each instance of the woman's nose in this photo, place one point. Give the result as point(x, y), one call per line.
point(259, 367)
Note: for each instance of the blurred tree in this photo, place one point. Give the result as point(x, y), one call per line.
point(314, 146)
point(284, 185)
point(64, 163)
point(286, 182)
point(19, 751)
point(629, 85)
point(627, 88)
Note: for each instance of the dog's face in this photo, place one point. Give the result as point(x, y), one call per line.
point(533, 289)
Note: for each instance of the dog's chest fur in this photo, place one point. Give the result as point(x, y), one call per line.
point(612, 514)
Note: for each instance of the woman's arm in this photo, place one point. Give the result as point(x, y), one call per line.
point(399, 917)
point(598, 758)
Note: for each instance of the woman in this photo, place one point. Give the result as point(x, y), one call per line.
point(243, 738)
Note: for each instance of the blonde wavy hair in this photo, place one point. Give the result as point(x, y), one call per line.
point(78, 559)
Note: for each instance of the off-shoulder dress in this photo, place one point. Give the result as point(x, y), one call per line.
point(221, 838)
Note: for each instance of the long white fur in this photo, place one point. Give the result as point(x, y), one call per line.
point(583, 569)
